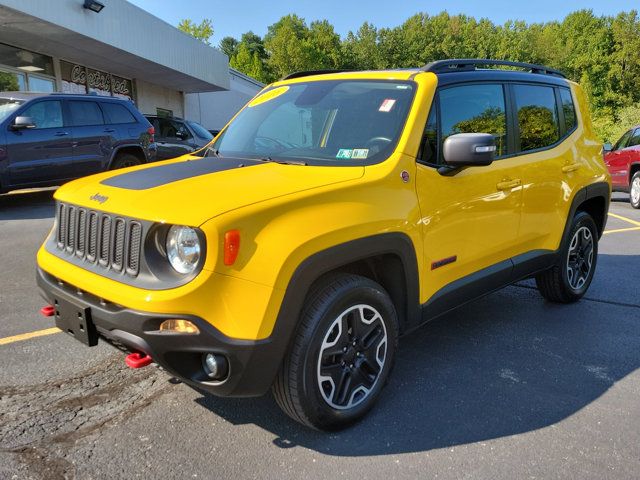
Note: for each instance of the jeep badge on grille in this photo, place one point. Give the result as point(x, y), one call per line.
point(99, 198)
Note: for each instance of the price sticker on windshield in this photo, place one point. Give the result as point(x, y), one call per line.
point(387, 104)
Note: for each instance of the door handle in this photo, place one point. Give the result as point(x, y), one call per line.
point(572, 167)
point(509, 184)
point(61, 134)
point(109, 130)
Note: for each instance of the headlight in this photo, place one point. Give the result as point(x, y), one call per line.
point(183, 249)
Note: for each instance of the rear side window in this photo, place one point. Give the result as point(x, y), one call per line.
point(474, 109)
point(568, 109)
point(115, 113)
point(85, 113)
point(537, 116)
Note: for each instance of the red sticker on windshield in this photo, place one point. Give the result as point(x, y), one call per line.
point(386, 105)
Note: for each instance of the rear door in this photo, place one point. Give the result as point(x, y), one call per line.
point(42, 154)
point(617, 161)
point(93, 139)
point(546, 118)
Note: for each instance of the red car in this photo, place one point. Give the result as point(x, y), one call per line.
point(623, 162)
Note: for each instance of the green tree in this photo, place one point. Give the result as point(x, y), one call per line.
point(249, 64)
point(229, 46)
point(202, 31)
point(290, 50)
point(8, 82)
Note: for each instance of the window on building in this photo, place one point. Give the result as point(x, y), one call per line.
point(25, 60)
point(38, 84)
point(474, 109)
point(569, 109)
point(537, 116)
point(85, 113)
point(45, 114)
point(99, 82)
point(12, 82)
point(117, 113)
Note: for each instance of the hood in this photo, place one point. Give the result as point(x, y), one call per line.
point(191, 191)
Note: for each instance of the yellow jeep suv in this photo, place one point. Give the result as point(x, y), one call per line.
point(335, 212)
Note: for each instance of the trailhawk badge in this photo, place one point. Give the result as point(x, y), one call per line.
point(99, 198)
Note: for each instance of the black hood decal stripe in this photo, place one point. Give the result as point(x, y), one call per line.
point(163, 174)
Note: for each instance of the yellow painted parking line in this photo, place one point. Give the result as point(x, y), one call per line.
point(625, 219)
point(28, 335)
point(619, 230)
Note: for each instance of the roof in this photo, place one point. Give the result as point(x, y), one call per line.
point(31, 95)
point(451, 71)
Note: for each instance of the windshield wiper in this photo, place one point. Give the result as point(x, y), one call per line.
point(283, 162)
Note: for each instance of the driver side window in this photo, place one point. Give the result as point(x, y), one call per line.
point(45, 114)
point(622, 143)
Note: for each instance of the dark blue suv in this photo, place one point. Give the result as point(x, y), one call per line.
point(48, 139)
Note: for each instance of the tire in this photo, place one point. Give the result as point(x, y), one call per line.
point(634, 190)
point(124, 160)
point(342, 310)
point(569, 279)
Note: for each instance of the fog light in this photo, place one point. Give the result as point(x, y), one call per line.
point(177, 325)
point(215, 366)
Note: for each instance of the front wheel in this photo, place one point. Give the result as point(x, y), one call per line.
point(569, 279)
point(341, 356)
point(634, 190)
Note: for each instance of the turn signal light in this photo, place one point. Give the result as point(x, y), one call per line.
point(177, 325)
point(231, 246)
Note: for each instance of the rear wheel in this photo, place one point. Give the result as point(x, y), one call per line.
point(341, 355)
point(569, 279)
point(634, 190)
point(124, 160)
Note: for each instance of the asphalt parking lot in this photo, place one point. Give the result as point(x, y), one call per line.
point(507, 387)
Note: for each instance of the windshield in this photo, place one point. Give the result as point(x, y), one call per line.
point(351, 122)
point(8, 106)
point(201, 131)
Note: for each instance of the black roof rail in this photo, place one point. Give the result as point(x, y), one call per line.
point(470, 64)
point(308, 73)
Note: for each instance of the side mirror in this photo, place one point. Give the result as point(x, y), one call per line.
point(607, 147)
point(181, 135)
point(21, 123)
point(469, 150)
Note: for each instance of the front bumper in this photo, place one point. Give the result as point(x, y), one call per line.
point(252, 364)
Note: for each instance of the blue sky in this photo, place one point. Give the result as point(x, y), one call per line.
point(236, 17)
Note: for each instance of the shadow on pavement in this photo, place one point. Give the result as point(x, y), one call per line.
point(506, 364)
point(27, 205)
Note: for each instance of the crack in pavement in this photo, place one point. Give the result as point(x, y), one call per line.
point(39, 423)
point(590, 299)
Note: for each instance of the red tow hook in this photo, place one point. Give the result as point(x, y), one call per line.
point(138, 360)
point(48, 311)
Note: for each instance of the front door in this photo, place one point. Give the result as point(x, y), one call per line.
point(173, 138)
point(42, 154)
point(618, 162)
point(470, 219)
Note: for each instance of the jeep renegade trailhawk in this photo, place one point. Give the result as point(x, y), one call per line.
point(335, 212)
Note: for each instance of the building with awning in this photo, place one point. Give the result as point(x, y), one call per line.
point(109, 47)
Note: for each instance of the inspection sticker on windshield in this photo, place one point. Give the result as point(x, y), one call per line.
point(345, 153)
point(386, 105)
point(360, 153)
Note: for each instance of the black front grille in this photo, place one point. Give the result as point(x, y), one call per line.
point(99, 238)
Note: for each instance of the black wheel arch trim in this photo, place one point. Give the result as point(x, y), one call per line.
point(595, 190)
point(119, 148)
